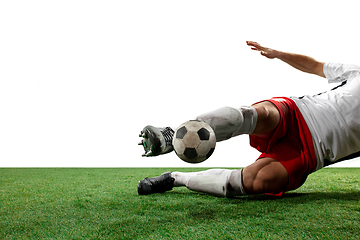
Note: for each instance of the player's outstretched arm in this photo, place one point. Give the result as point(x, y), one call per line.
point(298, 61)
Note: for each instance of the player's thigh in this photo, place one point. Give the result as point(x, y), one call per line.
point(268, 118)
point(266, 175)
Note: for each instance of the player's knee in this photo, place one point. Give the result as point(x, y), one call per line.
point(268, 118)
point(252, 183)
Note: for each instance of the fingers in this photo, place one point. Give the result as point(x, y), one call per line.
point(254, 45)
point(251, 43)
point(267, 52)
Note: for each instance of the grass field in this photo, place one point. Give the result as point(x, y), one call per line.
point(61, 203)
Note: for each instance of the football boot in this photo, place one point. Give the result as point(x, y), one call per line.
point(159, 184)
point(156, 141)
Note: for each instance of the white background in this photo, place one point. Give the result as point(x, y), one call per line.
point(80, 79)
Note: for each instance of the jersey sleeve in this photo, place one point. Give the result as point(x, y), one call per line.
point(338, 72)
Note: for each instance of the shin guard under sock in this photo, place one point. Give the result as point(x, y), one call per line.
point(229, 122)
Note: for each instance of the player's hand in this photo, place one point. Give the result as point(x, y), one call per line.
point(267, 52)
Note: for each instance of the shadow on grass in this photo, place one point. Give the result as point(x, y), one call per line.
point(289, 196)
point(312, 196)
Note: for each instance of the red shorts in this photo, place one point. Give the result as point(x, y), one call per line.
point(291, 144)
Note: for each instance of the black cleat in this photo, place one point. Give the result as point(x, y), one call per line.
point(156, 141)
point(159, 184)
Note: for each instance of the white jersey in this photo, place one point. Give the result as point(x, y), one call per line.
point(333, 117)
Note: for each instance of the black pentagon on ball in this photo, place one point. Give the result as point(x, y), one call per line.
point(204, 134)
point(190, 153)
point(180, 133)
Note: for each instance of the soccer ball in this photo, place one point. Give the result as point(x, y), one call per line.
point(194, 141)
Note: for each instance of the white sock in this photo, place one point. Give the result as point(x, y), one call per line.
point(229, 122)
point(218, 182)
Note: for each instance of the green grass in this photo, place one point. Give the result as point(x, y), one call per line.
point(80, 203)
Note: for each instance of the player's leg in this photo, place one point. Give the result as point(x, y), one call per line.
point(217, 182)
point(228, 122)
point(268, 118)
point(259, 119)
point(266, 175)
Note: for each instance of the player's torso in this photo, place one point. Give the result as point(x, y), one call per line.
point(333, 118)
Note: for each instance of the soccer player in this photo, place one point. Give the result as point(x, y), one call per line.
point(296, 136)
